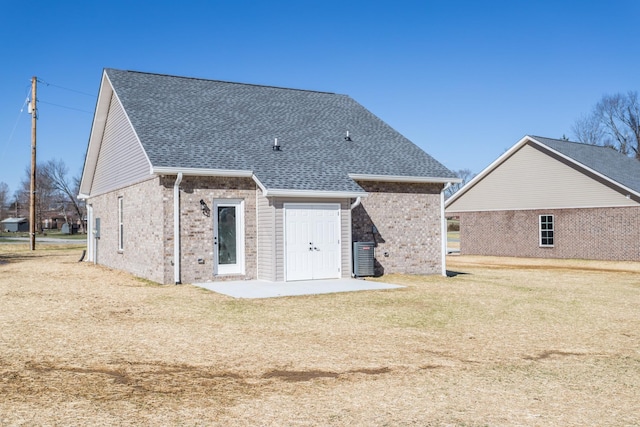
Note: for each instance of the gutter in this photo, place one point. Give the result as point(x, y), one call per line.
point(402, 178)
point(313, 194)
point(176, 229)
point(161, 170)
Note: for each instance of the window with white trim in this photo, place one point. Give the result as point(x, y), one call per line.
point(120, 225)
point(546, 231)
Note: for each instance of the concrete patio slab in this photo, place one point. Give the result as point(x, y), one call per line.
point(264, 289)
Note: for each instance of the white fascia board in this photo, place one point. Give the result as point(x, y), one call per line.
point(487, 170)
point(584, 167)
point(277, 192)
point(97, 131)
point(401, 178)
point(161, 170)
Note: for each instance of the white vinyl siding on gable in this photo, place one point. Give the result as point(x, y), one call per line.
point(531, 179)
point(121, 160)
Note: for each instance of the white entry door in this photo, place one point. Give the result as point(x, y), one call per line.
point(312, 241)
point(228, 236)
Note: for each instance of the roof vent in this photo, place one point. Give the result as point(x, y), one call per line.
point(276, 146)
point(347, 138)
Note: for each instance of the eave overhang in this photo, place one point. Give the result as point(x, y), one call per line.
point(238, 173)
point(402, 178)
point(317, 194)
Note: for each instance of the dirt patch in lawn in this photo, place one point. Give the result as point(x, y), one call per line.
point(500, 345)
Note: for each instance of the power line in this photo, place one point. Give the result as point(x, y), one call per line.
point(66, 88)
point(64, 106)
point(26, 101)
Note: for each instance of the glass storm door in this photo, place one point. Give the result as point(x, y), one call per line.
point(228, 236)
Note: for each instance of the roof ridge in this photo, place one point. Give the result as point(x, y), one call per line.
point(225, 81)
point(571, 142)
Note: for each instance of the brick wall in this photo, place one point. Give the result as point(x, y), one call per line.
point(196, 229)
point(144, 231)
point(597, 233)
point(148, 227)
point(408, 226)
point(407, 218)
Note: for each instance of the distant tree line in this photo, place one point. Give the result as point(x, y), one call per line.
point(56, 195)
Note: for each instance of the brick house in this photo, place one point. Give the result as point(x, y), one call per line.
point(189, 180)
point(550, 198)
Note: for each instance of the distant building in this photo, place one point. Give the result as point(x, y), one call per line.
point(15, 225)
point(548, 198)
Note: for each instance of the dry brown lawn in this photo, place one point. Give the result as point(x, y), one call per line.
point(511, 342)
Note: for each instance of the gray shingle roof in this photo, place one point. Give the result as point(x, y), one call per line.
point(606, 161)
point(14, 220)
point(195, 123)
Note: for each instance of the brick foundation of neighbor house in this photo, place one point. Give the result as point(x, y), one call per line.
point(403, 220)
point(590, 233)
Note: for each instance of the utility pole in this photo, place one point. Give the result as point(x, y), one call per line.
point(32, 199)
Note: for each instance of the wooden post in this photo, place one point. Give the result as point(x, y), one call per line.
point(32, 199)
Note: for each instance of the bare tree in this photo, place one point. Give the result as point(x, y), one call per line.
point(46, 195)
point(587, 129)
point(614, 122)
point(4, 199)
point(465, 175)
point(56, 172)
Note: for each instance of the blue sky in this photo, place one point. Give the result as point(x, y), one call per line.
point(464, 80)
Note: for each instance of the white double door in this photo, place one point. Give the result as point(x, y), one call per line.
point(312, 241)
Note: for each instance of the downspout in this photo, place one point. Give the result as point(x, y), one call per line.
point(443, 239)
point(356, 203)
point(90, 235)
point(353, 206)
point(176, 229)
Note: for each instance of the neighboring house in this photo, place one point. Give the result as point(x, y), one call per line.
point(551, 198)
point(15, 225)
point(191, 180)
point(52, 220)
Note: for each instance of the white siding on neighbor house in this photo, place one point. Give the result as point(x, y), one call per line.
point(531, 179)
point(121, 160)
